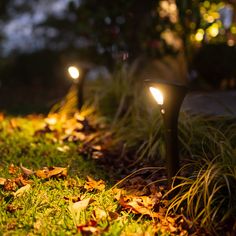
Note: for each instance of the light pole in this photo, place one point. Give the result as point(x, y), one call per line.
point(169, 96)
point(79, 80)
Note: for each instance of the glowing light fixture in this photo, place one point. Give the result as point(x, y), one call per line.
point(73, 72)
point(157, 94)
point(169, 96)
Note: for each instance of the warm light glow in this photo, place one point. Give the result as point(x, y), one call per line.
point(157, 94)
point(213, 30)
point(74, 72)
point(199, 35)
point(230, 42)
point(233, 29)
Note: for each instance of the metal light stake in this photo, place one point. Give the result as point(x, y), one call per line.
point(169, 96)
point(79, 80)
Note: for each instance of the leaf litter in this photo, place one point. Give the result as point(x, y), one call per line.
point(138, 196)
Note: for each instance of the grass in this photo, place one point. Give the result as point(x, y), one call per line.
point(207, 150)
point(206, 191)
point(48, 206)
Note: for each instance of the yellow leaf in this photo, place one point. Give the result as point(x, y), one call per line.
point(22, 190)
point(2, 181)
point(92, 184)
point(80, 205)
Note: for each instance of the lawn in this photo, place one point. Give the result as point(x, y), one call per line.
point(53, 182)
point(102, 171)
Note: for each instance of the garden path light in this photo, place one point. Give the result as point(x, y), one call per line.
point(169, 96)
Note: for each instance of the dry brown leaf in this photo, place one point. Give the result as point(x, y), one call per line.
point(51, 172)
point(51, 120)
point(97, 147)
point(97, 155)
point(22, 190)
point(11, 208)
point(21, 181)
point(26, 171)
point(12, 169)
point(73, 198)
point(89, 229)
point(10, 185)
point(118, 192)
point(138, 204)
point(2, 181)
point(99, 214)
point(92, 184)
point(42, 174)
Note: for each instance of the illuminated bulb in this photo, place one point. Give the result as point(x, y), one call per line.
point(157, 94)
point(74, 72)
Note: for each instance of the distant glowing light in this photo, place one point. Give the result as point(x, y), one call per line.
point(206, 4)
point(213, 30)
point(233, 29)
point(157, 94)
point(199, 35)
point(231, 42)
point(73, 72)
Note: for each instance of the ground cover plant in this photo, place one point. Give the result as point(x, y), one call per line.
point(207, 149)
point(51, 184)
point(103, 173)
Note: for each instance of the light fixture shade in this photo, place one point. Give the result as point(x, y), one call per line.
point(173, 94)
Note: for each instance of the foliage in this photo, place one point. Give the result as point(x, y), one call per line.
point(207, 151)
point(68, 200)
point(208, 194)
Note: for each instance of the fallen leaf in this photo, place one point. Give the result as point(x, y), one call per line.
point(89, 229)
point(12, 169)
point(73, 198)
point(80, 205)
point(138, 204)
point(78, 117)
point(26, 171)
point(21, 181)
point(2, 181)
point(22, 190)
point(97, 155)
point(10, 185)
point(42, 174)
point(11, 208)
point(99, 214)
point(92, 184)
point(51, 172)
point(51, 120)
